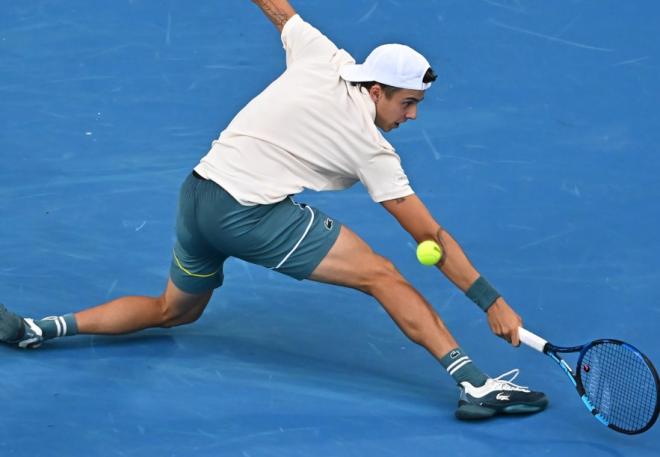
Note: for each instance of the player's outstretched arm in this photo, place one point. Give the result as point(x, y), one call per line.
point(416, 219)
point(278, 11)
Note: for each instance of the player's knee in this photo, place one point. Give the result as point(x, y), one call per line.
point(172, 316)
point(179, 320)
point(380, 274)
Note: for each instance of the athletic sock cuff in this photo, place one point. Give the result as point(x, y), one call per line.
point(57, 326)
point(71, 324)
point(460, 367)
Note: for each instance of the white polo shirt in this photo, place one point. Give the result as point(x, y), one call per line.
point(309, 129)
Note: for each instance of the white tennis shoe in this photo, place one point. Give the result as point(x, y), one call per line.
point(498, 396)
point(18, 331)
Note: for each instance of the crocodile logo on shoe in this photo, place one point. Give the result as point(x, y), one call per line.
point(502, 396)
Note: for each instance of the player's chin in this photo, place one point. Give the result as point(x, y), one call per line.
point(392, 126)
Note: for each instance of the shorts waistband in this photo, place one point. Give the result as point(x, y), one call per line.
point(197, 175)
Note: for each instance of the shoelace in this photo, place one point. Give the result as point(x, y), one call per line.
point(507, 384)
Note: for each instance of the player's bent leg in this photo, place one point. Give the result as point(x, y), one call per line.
point(352, 263)
point(123, 315)
point(132, 313)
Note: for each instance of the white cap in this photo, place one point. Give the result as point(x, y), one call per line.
point(396, 65)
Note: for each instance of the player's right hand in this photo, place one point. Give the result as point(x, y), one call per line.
point(504, 321)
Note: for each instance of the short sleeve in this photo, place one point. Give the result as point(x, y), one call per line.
point(304, 42)
point(384, 177)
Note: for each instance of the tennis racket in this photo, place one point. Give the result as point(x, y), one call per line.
point(617, 383)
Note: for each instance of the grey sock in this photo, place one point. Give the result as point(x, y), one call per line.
point(461, 368)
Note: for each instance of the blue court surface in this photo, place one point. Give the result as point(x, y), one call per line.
point(537, 149)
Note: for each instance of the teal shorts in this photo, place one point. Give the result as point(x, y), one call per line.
point(211, 226)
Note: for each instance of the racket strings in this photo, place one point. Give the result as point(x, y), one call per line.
point(620, 385)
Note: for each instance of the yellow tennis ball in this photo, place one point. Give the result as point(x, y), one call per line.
point(429, 252)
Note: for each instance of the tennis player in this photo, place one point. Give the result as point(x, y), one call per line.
point(318, 126)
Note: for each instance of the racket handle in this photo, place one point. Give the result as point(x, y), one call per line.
point(531, 340)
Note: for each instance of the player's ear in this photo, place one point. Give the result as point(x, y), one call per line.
point(375, 92)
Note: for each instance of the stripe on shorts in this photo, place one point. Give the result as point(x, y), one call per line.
point(309, 226)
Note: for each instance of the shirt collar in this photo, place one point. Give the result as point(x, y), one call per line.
point(369, 103)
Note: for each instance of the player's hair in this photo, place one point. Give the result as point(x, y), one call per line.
point(429, 77)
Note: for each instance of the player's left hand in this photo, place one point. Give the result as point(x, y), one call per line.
point(504, 322)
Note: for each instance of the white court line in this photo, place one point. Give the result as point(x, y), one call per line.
point(628, 62)
point(366, 17)
point(548, 37)
point(547, 238)
point(436, 154)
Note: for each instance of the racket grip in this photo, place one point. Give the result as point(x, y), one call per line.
point(531, 340)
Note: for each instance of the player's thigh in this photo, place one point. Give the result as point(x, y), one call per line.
point(351, 262)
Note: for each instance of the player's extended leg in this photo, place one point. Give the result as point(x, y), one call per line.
point(123, 315)
point(352, 263)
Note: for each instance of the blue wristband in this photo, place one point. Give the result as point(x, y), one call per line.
point(482, 293)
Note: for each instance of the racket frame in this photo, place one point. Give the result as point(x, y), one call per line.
point(536, 342)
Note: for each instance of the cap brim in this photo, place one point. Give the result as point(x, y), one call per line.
point(355, 73)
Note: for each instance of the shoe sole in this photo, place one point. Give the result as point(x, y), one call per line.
point(476, 412)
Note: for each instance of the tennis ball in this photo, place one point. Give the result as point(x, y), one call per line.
point(429, 252)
